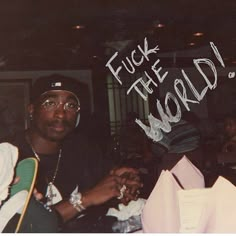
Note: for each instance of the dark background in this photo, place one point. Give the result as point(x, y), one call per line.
point(75, 35)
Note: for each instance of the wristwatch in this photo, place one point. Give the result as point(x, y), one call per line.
point(76, 201)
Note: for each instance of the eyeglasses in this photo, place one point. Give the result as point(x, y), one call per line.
point(52, 105)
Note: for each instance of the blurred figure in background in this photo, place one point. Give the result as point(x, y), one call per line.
point(230, 134)
point(183, 139)
point(226, 155)
point(135, 149)
point(131, 138)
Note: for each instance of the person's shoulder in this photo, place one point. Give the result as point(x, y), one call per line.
point(19, 141)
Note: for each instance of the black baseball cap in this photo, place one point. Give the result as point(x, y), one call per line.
point(54, 82)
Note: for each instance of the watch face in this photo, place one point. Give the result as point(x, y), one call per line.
point(76, 198)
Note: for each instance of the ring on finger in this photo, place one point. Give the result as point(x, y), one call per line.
point(137, 193)
point(122, 191)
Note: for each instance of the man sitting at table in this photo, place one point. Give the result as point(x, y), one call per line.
point(69, 167)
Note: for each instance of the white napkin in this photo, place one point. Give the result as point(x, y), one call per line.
point(134, 208)
point(8, 158)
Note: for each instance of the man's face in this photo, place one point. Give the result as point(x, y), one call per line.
point(55, 114)
point(230, 127)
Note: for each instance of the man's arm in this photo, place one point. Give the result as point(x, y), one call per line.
point(105, 190)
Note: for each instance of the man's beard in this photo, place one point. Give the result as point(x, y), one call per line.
point(47, 132)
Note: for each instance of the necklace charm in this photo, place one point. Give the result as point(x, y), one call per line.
point(50, 195)
point(53, 195)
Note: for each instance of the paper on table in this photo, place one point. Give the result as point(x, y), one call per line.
point(187, 174)
point(211, 210)
point(161, 211)
point(192, 207)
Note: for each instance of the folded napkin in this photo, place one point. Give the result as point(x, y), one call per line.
point(134, 208)
point(160, 213)
point(179, 203)
point(188, 175)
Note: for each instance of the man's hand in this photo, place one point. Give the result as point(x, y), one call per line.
point(16, 180)
point(111, 185)
point(131, 180)
point(38, 196)
point(108, 188)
